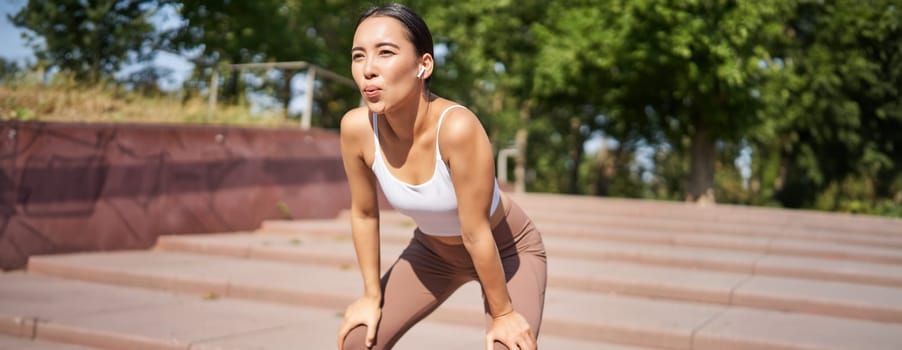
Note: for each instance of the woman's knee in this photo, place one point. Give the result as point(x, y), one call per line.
point(500, 346)
point(356, 339)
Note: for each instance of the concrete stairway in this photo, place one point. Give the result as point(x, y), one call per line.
point(623, 274)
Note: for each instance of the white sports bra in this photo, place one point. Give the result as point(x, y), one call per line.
point(432, 204)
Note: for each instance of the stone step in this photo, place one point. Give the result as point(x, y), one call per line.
point(744, 289)
point(830, 262)
point(719, 228)
point(69, 314)
point(17, 343)
point(579, 223)
point(690, 216)
point(769, 245)
point(828, 266)
point(752, 216)
point(569, 314)
point(653, 321)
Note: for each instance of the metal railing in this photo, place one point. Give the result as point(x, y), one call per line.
point(312, 72)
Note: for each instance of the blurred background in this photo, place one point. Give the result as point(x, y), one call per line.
point(782, 103)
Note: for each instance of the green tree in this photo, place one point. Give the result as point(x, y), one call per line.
point(10, 71)
point(835, 112)
point(227, 32)
point(91, 39)
point(233, 32)
point(490, 65)
point(681, 73)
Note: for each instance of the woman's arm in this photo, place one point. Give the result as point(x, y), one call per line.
point(469, 155)
point(466, 146)
point(364, 205)
point(364, 225)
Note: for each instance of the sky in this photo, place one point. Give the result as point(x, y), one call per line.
point(12, 46)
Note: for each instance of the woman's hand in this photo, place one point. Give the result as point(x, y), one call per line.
point(365, 311)
point(512, 330)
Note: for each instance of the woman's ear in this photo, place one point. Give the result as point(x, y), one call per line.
point(426, 66)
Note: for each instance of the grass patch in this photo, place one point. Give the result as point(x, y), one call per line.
point(67, 101)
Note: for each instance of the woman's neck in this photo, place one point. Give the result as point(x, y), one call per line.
point(406, 122)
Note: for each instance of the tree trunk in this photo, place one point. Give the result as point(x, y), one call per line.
point(288, 74)
point(575, 153)
point(701, 175)
point(230, 93)
point(522, 135)
point(604, 170)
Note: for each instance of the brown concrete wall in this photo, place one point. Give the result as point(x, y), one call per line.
point(75, 187)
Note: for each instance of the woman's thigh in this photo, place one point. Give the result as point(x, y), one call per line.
point(526, 287)
point(525, 267)
point(414, 287)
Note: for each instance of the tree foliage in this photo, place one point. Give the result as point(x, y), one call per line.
point(90, 39)
point(835, 112)
point(230, 32)
point(683, 74)
point(10, 70)
point(489, 64)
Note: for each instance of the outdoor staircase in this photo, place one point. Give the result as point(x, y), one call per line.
point(622, 274)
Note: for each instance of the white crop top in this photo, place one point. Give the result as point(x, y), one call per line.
point(432, 204)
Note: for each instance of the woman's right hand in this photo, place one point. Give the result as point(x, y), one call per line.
point(512, 330)
point(365, 311)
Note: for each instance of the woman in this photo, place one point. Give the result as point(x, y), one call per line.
point(434, 162)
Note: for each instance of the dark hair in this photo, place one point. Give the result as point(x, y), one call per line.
point(417, 31)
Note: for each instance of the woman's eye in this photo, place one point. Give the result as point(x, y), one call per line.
point(386, 53)
point(356, 56)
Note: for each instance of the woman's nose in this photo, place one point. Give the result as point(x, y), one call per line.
point(369, 69)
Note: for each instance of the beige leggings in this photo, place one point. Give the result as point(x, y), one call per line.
point(429, 271)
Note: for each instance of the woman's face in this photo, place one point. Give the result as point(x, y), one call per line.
point(384, 63)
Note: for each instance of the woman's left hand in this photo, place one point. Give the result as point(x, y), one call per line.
point(513, 331)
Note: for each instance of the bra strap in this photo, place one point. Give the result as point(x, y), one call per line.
point(438, 128)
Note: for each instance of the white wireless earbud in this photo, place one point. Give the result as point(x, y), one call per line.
point(422, 70)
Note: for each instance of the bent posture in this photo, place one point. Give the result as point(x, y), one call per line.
point(433, 161)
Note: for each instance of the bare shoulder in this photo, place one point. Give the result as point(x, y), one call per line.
point(355, 123)
point(460, 126)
